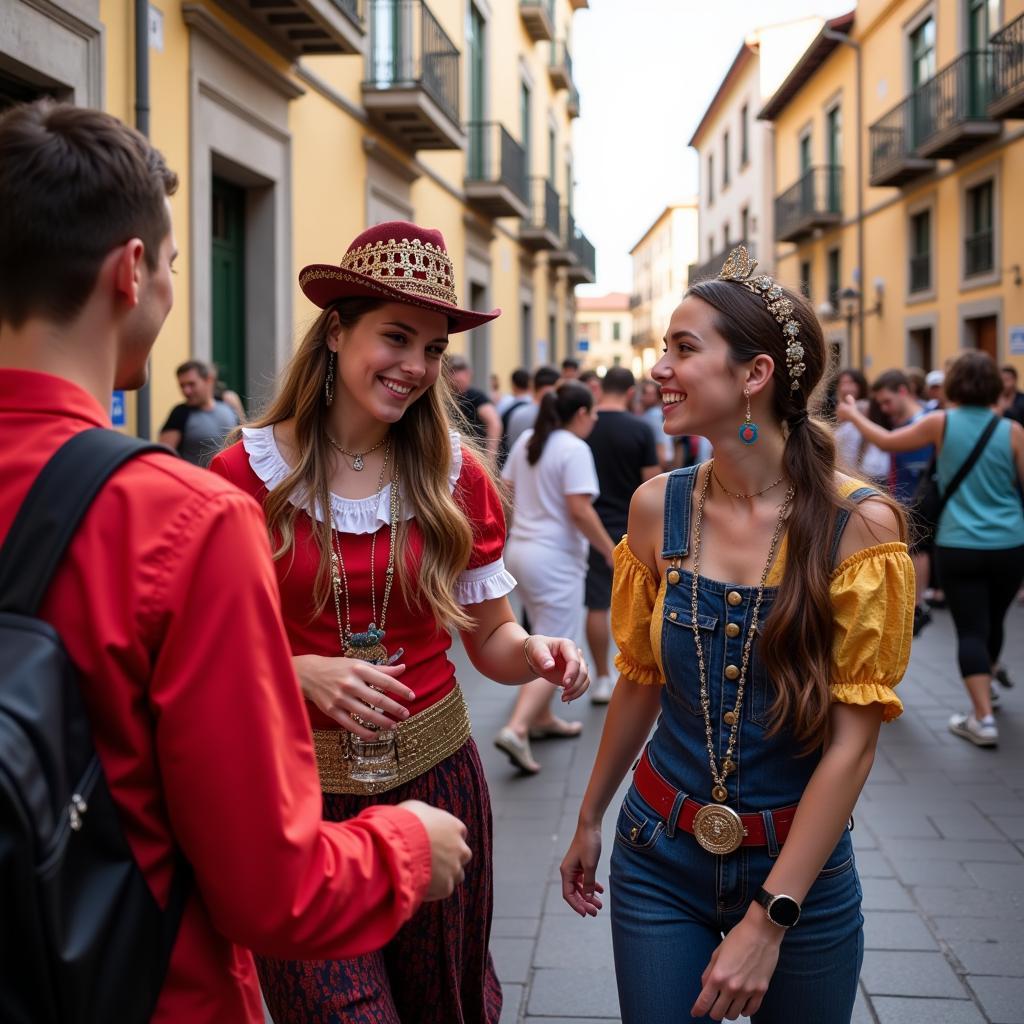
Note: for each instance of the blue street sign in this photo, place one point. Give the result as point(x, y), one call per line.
point(583, 345)
point(117, 411)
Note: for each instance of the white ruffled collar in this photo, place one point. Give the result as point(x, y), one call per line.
point(349, 515)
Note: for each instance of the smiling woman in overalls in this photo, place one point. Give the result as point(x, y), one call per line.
point(763, 608)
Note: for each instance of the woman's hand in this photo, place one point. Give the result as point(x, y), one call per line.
point(740, 969)
point(343, 687)
point(560, 662)
point(580, 888)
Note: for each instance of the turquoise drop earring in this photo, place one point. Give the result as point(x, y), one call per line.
point(748, 428)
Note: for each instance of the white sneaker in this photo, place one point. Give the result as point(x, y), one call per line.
point(601, 691)
point(981, 734)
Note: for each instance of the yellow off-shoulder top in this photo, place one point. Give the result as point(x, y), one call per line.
point(872, 596)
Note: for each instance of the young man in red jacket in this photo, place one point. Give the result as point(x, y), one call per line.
point(167, 601)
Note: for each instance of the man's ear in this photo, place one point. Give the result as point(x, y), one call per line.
point(128, 270)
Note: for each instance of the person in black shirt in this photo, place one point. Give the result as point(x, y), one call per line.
point(1011, 401)
point(475, 405)
point(625, 456)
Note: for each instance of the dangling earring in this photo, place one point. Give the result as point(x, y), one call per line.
point(329, 377)
point(748, 428)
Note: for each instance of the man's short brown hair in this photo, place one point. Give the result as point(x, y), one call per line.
point(74, 184)
point(973, 379)
point(204, 370)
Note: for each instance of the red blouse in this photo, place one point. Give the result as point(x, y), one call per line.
point(256, 466)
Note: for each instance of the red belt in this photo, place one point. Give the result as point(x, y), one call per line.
point(662, 796)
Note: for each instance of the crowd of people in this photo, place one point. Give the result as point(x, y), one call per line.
point(261, 638)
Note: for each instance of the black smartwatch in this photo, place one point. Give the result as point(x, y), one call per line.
point(783, 911)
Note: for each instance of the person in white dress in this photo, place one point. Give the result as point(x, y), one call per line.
point(553, 481)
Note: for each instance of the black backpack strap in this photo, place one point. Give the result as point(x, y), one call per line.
point(968, 465)
point(53, 508)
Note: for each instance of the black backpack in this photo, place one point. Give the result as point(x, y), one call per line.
point(82, 940)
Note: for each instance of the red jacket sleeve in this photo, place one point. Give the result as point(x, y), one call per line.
point(237, 761)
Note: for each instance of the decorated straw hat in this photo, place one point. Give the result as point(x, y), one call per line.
point(398, 262)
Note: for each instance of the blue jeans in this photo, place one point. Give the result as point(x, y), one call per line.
point(671, 903)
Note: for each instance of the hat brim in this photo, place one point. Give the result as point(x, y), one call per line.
point(323, 284)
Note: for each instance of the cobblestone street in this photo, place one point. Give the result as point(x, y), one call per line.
point(940, 848)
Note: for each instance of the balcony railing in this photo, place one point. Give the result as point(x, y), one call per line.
point(309, 27)
point(573, 104)
point(920, 272)
point(496, 181)
point(712, 267)
point(894, 158)
point(560, 68)
point(539, 19)
point(412, 84)
point(951, 109)
point(563, 255)
point(541, 228)
point(814, 202)
point(584, 268)
point(979, 253)
point(1008, 71)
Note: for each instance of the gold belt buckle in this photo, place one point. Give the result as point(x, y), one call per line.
point(718, 829)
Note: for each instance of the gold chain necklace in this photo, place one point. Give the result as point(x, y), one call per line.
point(719, 791)
point(733, 494)
point(369, 645)
point(358, 463)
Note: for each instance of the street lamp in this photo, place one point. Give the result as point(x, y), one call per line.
point(849, 304)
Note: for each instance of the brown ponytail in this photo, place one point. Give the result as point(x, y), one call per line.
point(796, 644)
point(557, 408)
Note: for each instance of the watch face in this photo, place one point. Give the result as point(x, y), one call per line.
point(785, 911)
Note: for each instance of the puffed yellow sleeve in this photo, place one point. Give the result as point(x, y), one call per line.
point(634, 595)
point(873, 598)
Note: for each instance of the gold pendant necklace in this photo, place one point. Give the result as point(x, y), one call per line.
point(734, 494)
point(718, 829)
point(358, 458)
point(369, 644)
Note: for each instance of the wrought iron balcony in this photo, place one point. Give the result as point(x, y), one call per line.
point(541, 228)
point(1007, 98)
point(979, 253)
point(560, 66)
point(584, 269)
point(894, 157)
point(951, 109)
point(539, 19)
point(412, 84)
point(573, 105)
point(814, 202)
point(563, 256)
point(496, 182)
point(712, 267)
point(309, 26)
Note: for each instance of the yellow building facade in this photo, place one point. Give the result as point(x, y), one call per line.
point(898, 155)
point(295, 124)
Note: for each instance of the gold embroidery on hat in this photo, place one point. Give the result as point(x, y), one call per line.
point(397, 262)
point(740, 267)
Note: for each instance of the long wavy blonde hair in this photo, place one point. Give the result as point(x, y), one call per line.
point(423, 454)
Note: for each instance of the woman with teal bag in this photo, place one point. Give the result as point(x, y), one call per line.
point(979, 544)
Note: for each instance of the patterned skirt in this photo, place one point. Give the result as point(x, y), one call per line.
point(438, 968)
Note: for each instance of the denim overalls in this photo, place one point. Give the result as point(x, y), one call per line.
point(671, 900)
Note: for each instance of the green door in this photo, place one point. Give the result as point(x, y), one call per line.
point(227, 263)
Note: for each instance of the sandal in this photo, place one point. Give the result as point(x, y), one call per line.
point(518, 751)
point(556, 729)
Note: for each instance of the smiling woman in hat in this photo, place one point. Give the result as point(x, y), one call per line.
point(388, 533)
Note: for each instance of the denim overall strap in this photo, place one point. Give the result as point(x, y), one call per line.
point(678, 494)
point(843, 517)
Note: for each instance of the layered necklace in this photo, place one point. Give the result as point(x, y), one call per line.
point(368, 645)
point(713, 821)
point(358, 458)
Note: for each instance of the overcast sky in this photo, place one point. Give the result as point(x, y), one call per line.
point(646, 71)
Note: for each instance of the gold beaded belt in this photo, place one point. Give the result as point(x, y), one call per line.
point(423, 740)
